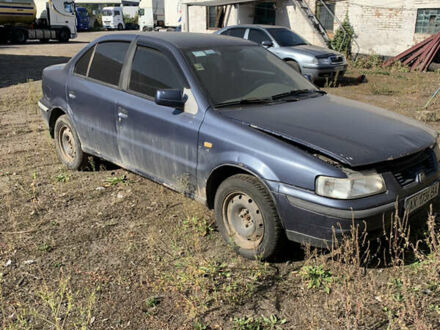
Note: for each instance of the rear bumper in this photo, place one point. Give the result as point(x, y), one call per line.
point(45, 112)
point(322, 226)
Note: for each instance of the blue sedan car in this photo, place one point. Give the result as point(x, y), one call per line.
point(231, 125)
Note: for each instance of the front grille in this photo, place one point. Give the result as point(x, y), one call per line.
point(336, 59)
point(406, 170)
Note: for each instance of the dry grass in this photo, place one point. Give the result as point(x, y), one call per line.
point(108, 249)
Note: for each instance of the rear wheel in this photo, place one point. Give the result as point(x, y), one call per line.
point(67, 144)
point(247, 218)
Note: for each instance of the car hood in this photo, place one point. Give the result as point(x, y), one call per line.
point(311, 50)
point(351, 132)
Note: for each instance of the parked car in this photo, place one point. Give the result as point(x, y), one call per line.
point(319, 63)
point(113, 18)
point(233, 126)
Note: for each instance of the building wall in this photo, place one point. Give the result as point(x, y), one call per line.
point(382, 27)
point(289, 14)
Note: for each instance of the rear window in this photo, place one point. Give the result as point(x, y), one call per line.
point(107, 62)
point(82, 64)
point(152, 70)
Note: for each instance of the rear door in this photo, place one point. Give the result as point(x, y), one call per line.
point(158, 141)
point(92, 92)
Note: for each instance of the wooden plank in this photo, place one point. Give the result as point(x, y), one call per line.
point(430, 56)
point(416, 54)
point(409, 51)
point(422, 58)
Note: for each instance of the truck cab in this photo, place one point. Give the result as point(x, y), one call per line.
point(82, 19)
point(113, 18)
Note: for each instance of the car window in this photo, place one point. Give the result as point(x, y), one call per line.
point(151, 70)
point(230, 73)
point(107, 62)
point(117, 13)
point(258, 36)
point(286, 38)
point(82, 64)
point(236, 32)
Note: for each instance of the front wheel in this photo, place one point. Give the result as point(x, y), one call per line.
point(247, 218)
point(294, 65)
point(120, 27)
point(19, 36)
point(64, 35)
point(67, 144)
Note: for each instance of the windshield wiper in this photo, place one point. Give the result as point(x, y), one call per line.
point(296, 92)
point(243, 101)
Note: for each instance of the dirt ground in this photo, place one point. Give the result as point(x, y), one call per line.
point(106, 248)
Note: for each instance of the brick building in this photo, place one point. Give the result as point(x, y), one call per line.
point(382, 27)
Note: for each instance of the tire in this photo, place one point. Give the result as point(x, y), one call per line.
point(247, 218)
point(294, 65)
point(120, 27)
point(67, 144)
point(64, 35)
point(19, 36)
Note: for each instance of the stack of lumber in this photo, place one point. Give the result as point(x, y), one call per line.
point(420, 56)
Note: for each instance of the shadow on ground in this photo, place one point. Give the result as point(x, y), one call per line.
point(16, 69)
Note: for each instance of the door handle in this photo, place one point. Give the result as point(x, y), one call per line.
point(122, 114)
point(72, 95)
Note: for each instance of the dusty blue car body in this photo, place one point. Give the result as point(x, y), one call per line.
point(285, 145)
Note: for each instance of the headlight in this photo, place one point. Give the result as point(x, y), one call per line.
point(355, 186)
point(325, 60)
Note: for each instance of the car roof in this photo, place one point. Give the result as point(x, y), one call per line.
point(261, 26)
point(182, 40)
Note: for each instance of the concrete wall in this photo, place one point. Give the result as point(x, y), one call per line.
point(382, 27)
point(289, 14)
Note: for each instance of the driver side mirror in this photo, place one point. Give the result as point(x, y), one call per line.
point(267, 43)
point(171, 98)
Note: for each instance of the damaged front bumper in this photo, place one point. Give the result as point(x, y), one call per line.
point(322, 222)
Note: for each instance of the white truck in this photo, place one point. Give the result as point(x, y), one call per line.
point(113, 18)
point(43, 20)
point(151, 14)
point(159, 13)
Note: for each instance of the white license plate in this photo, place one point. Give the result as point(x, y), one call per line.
point(421, 198)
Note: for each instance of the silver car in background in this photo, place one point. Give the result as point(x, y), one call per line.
point(319, 63)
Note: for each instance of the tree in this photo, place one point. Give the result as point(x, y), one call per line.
point(343, 37)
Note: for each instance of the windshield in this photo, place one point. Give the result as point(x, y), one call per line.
point(107, 12)
point(286, 38)
point(83, 13)
point(234, 73)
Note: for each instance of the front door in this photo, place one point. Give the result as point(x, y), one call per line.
point(157, 141)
